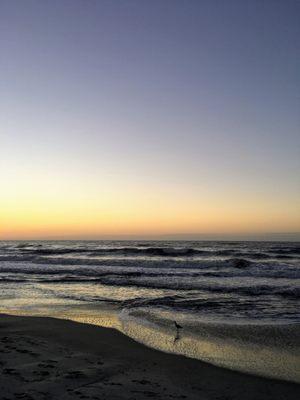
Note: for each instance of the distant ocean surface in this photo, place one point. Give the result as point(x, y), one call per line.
point(152, 284)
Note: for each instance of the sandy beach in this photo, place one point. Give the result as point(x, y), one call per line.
point(46, 358)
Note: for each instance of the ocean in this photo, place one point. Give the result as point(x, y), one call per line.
point(211, 289)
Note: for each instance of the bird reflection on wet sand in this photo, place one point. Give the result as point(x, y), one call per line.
point(178, 327)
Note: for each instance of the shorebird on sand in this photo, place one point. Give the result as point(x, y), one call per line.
point(177, 325)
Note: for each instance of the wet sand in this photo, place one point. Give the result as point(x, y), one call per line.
point(47, 358)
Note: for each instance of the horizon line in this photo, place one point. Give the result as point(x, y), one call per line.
point(265, 237)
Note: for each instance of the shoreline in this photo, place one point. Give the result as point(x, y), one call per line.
point(269, 351)
point(55, 358)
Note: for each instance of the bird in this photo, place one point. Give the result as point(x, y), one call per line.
point(177, 325)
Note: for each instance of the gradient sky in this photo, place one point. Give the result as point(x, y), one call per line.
point(149, 117)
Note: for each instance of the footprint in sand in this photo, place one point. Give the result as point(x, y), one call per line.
point(10, 371)
point(23, 396)
point(75, 375)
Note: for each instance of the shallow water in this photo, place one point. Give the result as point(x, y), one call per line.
point(141, 287)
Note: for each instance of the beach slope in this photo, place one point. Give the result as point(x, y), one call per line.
point(47, 358)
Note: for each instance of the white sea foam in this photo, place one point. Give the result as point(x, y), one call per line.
point(269, 351)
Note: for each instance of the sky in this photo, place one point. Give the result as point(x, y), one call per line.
point(158, 118)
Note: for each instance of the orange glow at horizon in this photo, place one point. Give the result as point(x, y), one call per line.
point(144, 217)
point(74, 205)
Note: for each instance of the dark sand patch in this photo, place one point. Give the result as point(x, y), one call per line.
point(45, 358)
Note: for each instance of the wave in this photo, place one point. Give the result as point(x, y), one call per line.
point(127, 280)
point(219, 269)
point(288, 250)
point(31, 257)
point(185, 284)
point(150, 251)
point(12, 280)
point(179, 280)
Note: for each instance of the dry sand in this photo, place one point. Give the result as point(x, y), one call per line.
point(46, 358)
